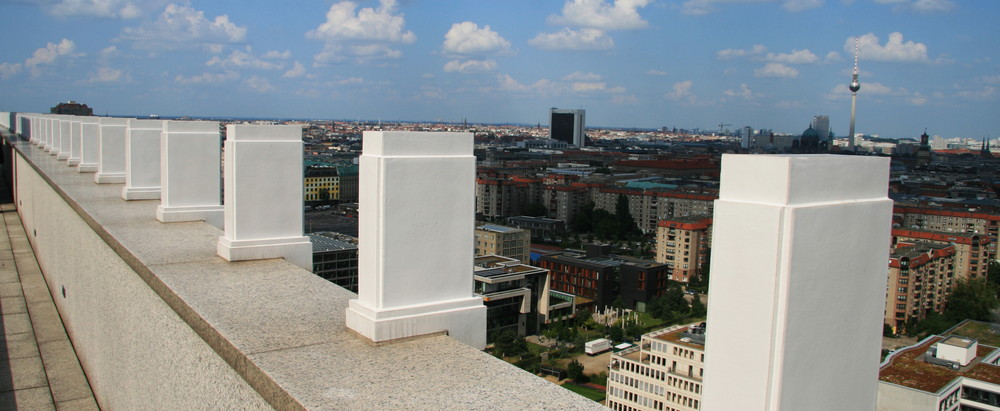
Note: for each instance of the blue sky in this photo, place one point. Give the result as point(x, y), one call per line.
point(630, 63)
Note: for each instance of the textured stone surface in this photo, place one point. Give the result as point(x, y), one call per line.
point(157, 318)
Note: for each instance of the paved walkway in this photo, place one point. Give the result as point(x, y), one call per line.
point(39, 369)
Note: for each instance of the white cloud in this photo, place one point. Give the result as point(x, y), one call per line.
point(349, 80)
point(681, 90)
point(297, 70)
point(729, 54)
point(331, 53)
point(470, 66)
point(258, 84)
point(621, 99)
point(345, 22)
point(49, 53)
point(569, 39)
point(594, 87)
point(9, 69)
point(986, 93)
point(468, 38)
point(243, 60)
point(275, 54)
point(800, 5)
point(832, 56)
point(795, 57)
point(894, 50)
point(125, 9)
point(655, 72)
point(933, 6)
point(106, 75)
point(920, 6)
point(744, 92)
point(508, 83)
point(208, 78)
point(917, 99)
point(994, 79)
point(581, 76)
point(775, 70)
point(374, 51)
point(700, 7)
point(600, 14)
point(109, 51)
point(181, 26)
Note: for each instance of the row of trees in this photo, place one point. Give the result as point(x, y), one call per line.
point(973, 299)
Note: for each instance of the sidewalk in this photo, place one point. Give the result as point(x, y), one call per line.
point(39, 369)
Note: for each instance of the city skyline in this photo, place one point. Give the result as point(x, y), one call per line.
point(929, 64)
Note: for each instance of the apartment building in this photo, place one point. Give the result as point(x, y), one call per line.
point(921, 276)
point(683, 244)
point(510, 242)
point(949, 221)
point(663, 373)
point(335, 258)
point(972, 251)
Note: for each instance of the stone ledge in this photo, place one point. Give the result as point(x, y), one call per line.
point(280, 327)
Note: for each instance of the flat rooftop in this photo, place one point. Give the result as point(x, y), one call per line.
point(499, 228)
point(907, 367)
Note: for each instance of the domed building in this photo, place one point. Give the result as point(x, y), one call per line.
point(809, 142)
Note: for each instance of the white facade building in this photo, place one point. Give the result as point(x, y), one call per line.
point(664, 373)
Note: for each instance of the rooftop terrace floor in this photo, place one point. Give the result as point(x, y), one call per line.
point(39, 369)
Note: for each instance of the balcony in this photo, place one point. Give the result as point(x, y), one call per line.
point(157, 319)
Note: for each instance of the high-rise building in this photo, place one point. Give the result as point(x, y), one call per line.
point(682, 243)
point(567, 126)
point(972, 251)
point(745, 135)
point(663, 373)
point(822, 126)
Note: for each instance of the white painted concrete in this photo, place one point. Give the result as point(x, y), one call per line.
point(142, 160)
point(65, 137)
point(189, 169)
point(798, 283)
point(75, 136)
point(111, 151)
point(263, 195)
point(90, 130)
point(417, 206)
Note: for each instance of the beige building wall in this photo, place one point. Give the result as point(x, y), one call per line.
point(664, 373)
point(504, 241)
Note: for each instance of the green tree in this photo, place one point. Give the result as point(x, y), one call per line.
point(698, 309)
point(623, 218)
point(615, 332)
point(535, 209)
point(575, 371)
point(972, 299)
point(582, 220)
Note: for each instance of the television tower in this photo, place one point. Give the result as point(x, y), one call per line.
point(855, 86)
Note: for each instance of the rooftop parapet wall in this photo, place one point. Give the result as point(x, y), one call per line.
point(158, 319)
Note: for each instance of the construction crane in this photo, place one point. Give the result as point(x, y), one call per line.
point(722, 128)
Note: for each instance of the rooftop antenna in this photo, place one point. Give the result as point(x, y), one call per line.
point(854, 87)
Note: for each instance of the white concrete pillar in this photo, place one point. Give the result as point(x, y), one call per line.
point(74, 141)
point(65, 134)
point(799, 253)
point(142, 160)
point(51, 131)
point(90, 129)
point(189, 172)
point(111, 151)
point(417, 211)
point(264, 195)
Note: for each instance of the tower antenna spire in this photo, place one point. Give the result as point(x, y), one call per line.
point(854, 87)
